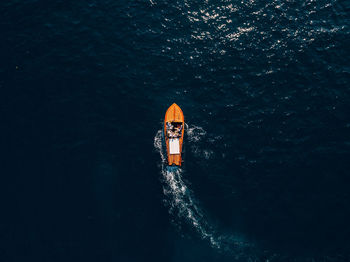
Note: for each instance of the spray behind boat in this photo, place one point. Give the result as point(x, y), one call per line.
point(185, 210)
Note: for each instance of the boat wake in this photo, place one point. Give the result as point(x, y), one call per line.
point(183, 207)
point(185, 210)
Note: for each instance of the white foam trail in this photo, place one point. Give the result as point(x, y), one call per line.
point(182, 203)
point(179, 197)
point(195, 133)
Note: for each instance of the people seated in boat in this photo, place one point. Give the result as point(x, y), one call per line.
point(178, 130)
point(173, 131)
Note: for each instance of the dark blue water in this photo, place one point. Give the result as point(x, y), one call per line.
point(264, 86)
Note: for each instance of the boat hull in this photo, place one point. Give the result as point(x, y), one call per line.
point(174, 114)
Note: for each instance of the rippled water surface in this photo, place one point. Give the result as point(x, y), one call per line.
point(264, 86)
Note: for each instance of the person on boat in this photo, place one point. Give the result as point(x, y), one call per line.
point(170, 126)
point(178, 130)
point(172, 134)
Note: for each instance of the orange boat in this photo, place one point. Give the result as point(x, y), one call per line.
point(174, 124)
